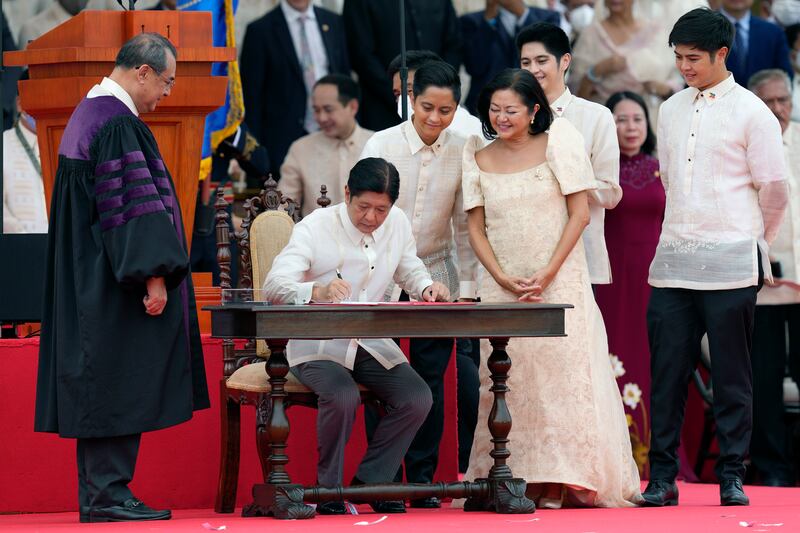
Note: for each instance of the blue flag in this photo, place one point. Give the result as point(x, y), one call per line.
point(224, 121)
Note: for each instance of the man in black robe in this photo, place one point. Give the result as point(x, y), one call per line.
point(120, 349)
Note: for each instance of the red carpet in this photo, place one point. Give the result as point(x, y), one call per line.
point(776, 510)
point(177, 467)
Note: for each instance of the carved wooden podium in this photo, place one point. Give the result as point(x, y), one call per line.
point(68, 60)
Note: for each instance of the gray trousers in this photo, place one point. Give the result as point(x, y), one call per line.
point(405, 395)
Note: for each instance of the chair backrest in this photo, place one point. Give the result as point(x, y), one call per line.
point(269, 234)
point(280, 210)
point(266, 229)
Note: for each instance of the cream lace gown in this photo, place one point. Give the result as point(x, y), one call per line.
point(569, 426)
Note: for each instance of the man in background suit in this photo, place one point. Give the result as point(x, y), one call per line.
point(326, 157)
point(757, 44)
point(373, 38)
point(284, 53)
point(488, 38)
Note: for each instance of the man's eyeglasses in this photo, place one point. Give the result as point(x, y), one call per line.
point(169, 83)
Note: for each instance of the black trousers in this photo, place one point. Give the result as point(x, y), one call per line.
point(769, 444)
point(105, 467)
point(405, 396)
point(429, 357)
point(468, 356)
point(676, 321)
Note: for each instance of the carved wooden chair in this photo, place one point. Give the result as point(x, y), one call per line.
point(266, 229)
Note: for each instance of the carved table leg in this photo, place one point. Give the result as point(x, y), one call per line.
point(263, 409)
point(278, 497)
point(507, 492)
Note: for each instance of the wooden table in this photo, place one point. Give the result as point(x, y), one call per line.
point(500, 491)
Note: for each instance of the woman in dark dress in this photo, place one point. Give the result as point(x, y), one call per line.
point(632, 230)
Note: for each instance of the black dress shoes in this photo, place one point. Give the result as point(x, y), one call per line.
point(390, 507)
point(83, 514)
point(129, 510)
point(426, 503)
point(660, 493)
point(732, 493)
point(331, 508)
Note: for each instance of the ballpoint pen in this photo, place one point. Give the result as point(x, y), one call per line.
point(339, 275)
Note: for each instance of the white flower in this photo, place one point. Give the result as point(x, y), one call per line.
point(631, 395)
point(616, 366)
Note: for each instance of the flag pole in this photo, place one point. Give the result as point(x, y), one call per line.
point(403, 67)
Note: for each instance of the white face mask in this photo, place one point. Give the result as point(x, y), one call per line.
point(29, 120)
point(400, 107)
point(581, 17)
point(786, 12)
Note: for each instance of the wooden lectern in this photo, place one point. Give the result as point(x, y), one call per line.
point(67, 61)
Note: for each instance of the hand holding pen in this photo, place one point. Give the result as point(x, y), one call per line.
point(336, 291)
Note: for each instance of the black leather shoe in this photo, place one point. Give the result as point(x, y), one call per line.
point(130, 510)
point(331, 508)
point(426, 503)
point(83, 514)
point(732, 493)
point(390, 507)
point(659, 493)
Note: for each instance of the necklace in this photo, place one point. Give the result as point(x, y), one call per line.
point(28, 150)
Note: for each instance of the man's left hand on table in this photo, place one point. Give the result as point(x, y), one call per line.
point(436, 292)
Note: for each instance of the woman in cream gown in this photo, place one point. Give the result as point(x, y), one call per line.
point(526, 199)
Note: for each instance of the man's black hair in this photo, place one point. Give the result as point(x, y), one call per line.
point(437, 74)
point(414, 60)
point(552, 37)
point(704, 30)
point(374, 174)
point(347, 87)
